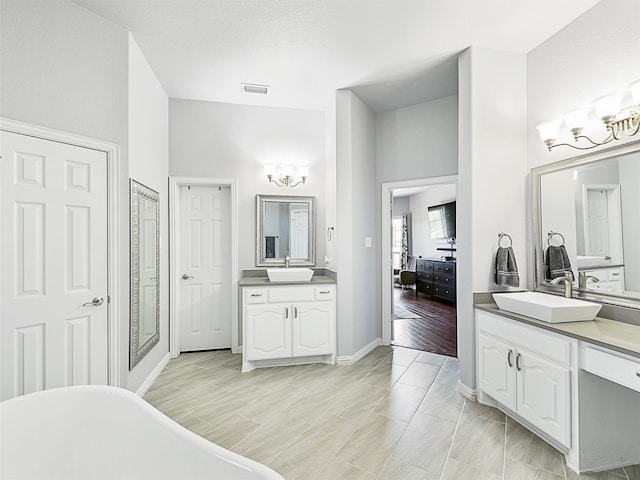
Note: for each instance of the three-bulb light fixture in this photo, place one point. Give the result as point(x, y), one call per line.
point(283, 175)
point(618, 121)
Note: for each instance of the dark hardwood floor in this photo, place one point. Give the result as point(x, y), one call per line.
point(433, 326)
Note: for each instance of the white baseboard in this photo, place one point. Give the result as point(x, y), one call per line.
point(347, 359)
point(467, 392)
point(153, 375)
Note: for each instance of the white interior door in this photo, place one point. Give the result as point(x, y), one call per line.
point(299, 232)
point(205, 274)
point(53, 264)
point(597, 240)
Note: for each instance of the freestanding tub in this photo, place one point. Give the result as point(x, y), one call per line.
point(98, 432)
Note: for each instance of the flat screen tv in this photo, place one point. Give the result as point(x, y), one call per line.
point(442, 220)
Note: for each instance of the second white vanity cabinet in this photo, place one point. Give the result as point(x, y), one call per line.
point(288, 324)
point(528, 371)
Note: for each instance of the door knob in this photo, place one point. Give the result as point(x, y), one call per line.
point(96, 302)
point(186, 277)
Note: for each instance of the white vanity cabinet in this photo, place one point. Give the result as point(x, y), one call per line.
point(528, 372)
point(288, 324)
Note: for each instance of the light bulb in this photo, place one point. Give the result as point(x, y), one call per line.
point(608, 106)
point(548, 132)
point(635, 92)
point(575, 120)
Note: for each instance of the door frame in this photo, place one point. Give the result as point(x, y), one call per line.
point(174, 255)
point(386, 217)
point(114, 267)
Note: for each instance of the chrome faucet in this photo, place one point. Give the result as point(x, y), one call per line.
point(568, 284)
point(583, 278)
point(286, 259)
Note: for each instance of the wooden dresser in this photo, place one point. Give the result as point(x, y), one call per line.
point(436, 279)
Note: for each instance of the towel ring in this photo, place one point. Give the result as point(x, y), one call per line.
point(501, 236)
point(552, 234)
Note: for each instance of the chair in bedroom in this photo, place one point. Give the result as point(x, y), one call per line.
point(407, 277)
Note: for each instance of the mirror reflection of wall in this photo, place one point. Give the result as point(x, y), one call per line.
point(595, 207)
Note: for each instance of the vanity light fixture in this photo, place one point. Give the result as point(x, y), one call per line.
point(618, 121)
point(283, 175)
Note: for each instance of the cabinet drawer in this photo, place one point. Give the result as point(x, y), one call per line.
point(424, 266)
point(425, 276)
point(291, 294)
point(444, 279)
point(444, 291)
point(254, 296)
point(617, 369)
point(547, 344)
point(324, 293)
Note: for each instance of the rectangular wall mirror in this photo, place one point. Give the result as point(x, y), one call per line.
point(145, 272)
point(285, 225)
point(590, 204)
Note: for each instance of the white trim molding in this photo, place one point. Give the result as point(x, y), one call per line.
point(467, 392)
point(347, 359)
point(174, 249)
point(386, 214)
point(115, 274)
point(153, 375)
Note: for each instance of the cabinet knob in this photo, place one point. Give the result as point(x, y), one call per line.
point(256, 294)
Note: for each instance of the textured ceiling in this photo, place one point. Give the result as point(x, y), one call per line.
point(392, 53)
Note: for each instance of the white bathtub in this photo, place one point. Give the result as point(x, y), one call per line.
point(96, 432)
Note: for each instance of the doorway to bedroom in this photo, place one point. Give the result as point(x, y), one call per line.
point(423, 313)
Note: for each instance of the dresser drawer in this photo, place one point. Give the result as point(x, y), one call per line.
point(618, 369)
point(444, 279)
point(442, 291)
point(424, 266)
point(424, 276)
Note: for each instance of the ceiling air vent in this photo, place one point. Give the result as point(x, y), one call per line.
point(253, 88)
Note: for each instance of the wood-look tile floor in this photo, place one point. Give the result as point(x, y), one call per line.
point(396, 414)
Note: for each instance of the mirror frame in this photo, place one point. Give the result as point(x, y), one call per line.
point(260, 206)
point(621, 299)
point(137, 351)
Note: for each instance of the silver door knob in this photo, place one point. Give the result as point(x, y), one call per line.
point(186, 277)
point(96, 302)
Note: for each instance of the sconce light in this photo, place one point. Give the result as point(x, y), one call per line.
point(283, 175)
point(618, 121)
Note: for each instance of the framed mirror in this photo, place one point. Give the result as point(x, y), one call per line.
point(285, 225)
point(145, 272)
point(589, 207)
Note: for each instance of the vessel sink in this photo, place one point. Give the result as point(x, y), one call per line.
point(546, 307)
point(289, 274)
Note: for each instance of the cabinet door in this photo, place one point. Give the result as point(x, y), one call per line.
point(496, 370)
point(313, 328)
point(268, 331)
point(544, 397)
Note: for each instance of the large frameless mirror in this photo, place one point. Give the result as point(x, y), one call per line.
point(145, 272)
point(285, 225)
point(589, 206)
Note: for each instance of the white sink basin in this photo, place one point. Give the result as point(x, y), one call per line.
point(546, 307)
point(289, 274)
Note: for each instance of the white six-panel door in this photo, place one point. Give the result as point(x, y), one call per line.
point(205, 274)
point(53, 265)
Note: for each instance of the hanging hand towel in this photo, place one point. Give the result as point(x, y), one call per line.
point(557, 262)
point(507, 268)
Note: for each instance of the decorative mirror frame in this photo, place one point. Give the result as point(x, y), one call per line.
point(137, 351)
point(618, 299)
point(260, 206)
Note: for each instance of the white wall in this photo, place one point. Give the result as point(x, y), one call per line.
point(149, 153)
point(420, 141)
point(209, 139)
point(65, 68)
point(358, 283)
point(491, 180)
point(594, 55)
point(422, 243)
point(401, 205)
